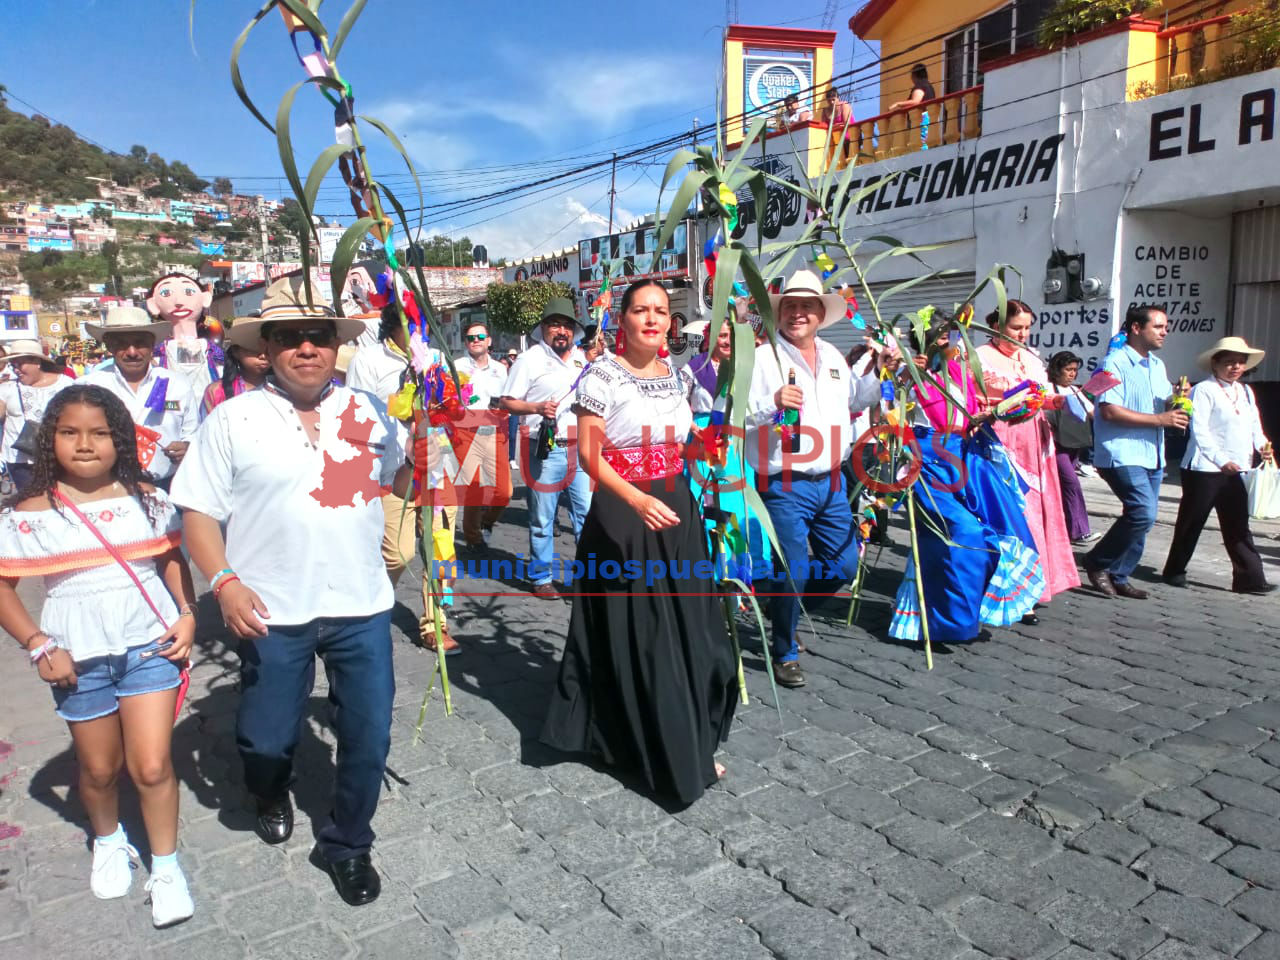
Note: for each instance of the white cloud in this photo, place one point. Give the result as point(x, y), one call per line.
point(552, 224)
point(597, 97)
point(600, 94)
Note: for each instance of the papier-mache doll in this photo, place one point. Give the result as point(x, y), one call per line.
point(193, 348)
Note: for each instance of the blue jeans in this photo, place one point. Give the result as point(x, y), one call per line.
point(277, 673)
point(1120, 550)
point(552, 476)
point(806, 512)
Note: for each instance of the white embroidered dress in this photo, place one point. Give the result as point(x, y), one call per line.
point(91, 605)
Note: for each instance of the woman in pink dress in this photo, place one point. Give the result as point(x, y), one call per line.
point(1007, 362)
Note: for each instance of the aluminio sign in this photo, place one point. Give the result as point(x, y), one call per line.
point(769, 77)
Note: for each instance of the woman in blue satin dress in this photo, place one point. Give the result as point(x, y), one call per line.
point(978, 561)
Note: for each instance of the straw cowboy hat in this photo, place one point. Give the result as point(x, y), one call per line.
point(286, 299)
point(129, 320)
point(1253, 356)
point(559, 307)
point(21, 349)
point(805, 283)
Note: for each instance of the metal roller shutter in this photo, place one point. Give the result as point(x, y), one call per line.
point(1255, 285)
point(943, 292)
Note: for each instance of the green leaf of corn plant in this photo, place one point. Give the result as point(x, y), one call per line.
point(759, 197)
point(404, 154)
point(319, 170)
point(236, 80)
point(677, 162)
point(726, 272)
point(759, 291)
point(916, 281)
point(420, 291)
point(285, 144)
point(844, 201)
point(805, 192)
point(679, 206)
point(344, 254)
point(745, 592)
point(344, 28)
point(753, 134)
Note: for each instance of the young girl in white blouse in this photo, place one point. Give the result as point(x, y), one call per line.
point(118, 621)
point(1224, 434)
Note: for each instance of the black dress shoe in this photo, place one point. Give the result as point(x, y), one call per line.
point(1102, 582)
point(1176, 579)
point(787, 673)
point(275, 820)
point(1030, 620)
point(1259, 591)
point(355, 879)
point(1130, 592)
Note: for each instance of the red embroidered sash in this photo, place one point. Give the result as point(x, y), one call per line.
point(648, 462)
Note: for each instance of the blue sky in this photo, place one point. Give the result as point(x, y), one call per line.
point(466, 87)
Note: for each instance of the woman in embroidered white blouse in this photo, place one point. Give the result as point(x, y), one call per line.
point(648, 680)
point(1225, 432)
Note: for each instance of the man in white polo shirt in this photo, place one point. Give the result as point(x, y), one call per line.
point(539, 389)
point(164, 407)
point(296, 471)
point(484, 477)
point(803, 487)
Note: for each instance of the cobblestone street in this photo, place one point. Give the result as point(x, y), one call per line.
point(1104, 784)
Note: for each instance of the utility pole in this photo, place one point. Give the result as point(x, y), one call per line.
point(613, 182)
point(695, 133)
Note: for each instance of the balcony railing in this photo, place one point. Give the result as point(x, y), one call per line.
point(951, 118)
point(1201, 52)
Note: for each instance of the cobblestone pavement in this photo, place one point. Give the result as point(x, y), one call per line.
point(1104, 784)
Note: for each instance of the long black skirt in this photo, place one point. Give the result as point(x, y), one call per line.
point(648, 683)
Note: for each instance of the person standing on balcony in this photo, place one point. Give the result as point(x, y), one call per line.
point(790, 115)
point(1128, 439)
point(838, 116)
point(921, 92)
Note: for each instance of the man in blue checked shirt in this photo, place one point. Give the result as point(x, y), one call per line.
point(1128, 447)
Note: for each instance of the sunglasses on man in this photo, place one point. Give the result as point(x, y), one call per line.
point(290, 338)
point(476, 337)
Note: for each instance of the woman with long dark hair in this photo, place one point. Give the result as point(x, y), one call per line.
point(978, 563)
point(1007, 362)
point(110, 640)
point(648, 682)
point(1071, 436)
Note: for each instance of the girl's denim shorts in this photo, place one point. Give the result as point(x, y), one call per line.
point(102, 681)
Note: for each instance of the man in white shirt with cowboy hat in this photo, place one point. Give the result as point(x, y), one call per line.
point(23, 398)
point(164, 406)
point(801, 482)
point(539, 389)
point(296, 471)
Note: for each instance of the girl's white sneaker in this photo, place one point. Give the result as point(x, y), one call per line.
point(112, 867)
point(170, 899)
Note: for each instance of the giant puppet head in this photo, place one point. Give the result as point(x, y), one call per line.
point(192, 348)
point(181, 302)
